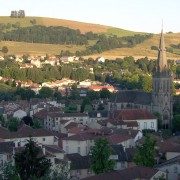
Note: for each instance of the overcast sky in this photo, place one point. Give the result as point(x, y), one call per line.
point(136, 15)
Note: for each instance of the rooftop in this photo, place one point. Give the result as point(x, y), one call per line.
point(136, 172)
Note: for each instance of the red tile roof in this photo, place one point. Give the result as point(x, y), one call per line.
point(71, 125)
point(168, 146)
point(24, 131)
point(93, 134)
point(133, 114)
point(117, 138)
point(136, 172)
point(77, 130)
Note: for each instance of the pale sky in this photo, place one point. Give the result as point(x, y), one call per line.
point(136, 15)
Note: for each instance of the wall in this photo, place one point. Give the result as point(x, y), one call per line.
point(70, 147)
point(170, 155)
point(173, 170)
point(81, 173)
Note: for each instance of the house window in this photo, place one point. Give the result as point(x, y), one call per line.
point(79, 150)
point(152, 124)
point(44, 139)
point(145, 125)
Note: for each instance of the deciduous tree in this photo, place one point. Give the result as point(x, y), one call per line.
point(100, 154)
point(30, 162)
point(145, 155)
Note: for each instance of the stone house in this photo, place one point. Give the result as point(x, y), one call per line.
point(143, 118)
point(81, 143)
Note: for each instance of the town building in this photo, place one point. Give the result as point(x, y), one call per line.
point(160, 100)
point(137, 172)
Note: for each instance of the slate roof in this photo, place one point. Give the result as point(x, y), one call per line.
point(78, 161)
point(132, 96)
point(171, 161)
point(6, 147)
point(136, 172)
point(119, 150)
point(53, 149)
point(130, 152)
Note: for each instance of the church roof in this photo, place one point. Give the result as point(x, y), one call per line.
point(133, 96)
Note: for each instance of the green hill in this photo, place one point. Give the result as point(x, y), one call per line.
point(82, 26)
point(140, 50)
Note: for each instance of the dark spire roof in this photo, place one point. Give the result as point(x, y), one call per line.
point(162, 61)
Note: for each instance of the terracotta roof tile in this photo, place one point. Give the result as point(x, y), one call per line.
point(136, 172)
point(133, 114)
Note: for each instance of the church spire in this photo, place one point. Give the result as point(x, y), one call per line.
point(162, 61)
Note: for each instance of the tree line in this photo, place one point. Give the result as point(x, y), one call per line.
point(43, 34)
point(105, 43)
point(65, 35)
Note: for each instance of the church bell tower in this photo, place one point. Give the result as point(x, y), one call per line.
point(162, 95)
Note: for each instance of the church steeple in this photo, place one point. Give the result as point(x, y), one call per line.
point(162, 98)
point(162, 60)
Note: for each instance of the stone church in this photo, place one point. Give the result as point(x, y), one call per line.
point(160, 100)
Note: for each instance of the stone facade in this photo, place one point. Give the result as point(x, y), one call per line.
point(160, 100)
point(162, 86)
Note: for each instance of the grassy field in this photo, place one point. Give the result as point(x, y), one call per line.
point(144, 49)
point(121, 32)
point(141, 50)
point(21, 48)
point(83, 27)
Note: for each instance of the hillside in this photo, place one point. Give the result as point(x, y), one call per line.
point(140, 50)
point(82, 26)
point(144, 49)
